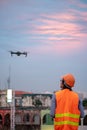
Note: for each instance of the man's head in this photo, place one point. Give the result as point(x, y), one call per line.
point(67, 81)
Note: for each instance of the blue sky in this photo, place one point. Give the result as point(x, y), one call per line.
point(54, 32)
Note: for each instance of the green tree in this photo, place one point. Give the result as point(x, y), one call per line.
point(38, 103)
point(85, 102)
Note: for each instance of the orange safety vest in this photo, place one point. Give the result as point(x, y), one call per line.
point(67, 113)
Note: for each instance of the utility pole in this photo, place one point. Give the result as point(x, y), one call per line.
point(13, 111)
point(11, 100)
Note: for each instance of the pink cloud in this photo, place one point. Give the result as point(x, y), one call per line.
point(63, 47)
point(56, 33)
point(78, 15)
point(80, 4)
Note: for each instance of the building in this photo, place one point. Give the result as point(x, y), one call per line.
point(27, 108)
point(29, 111)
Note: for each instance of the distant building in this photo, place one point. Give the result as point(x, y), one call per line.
point(31, 110)
point(28, 107)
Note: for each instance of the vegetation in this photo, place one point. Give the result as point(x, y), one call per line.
point(37, 103)
point(85, 102)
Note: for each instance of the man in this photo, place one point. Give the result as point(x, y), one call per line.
point(66, 107)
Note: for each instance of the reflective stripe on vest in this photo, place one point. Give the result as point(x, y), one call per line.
point(67, 122)
point(68, 115)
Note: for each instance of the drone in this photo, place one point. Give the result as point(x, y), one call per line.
point(18, 53)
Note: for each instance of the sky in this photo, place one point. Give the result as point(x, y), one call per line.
point(54, 33)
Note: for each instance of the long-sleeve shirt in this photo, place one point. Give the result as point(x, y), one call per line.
point(53, 106)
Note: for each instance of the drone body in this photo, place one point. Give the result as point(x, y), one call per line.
point(18, 53)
